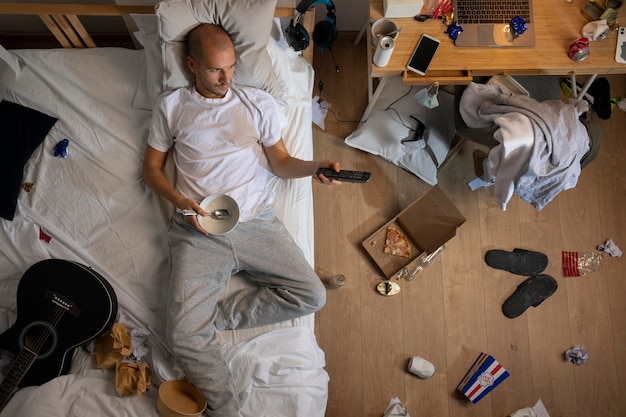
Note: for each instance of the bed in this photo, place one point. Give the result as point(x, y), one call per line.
point(88, 203)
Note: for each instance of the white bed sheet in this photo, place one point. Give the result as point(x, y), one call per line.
point(97, 211)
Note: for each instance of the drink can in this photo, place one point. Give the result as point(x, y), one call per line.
point(337, 281)
point(579, 49)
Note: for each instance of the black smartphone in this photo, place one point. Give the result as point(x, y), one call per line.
point(423, 54)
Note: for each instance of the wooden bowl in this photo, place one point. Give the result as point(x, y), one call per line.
point(179, 398)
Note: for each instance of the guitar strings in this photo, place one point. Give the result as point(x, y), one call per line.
point(14, 375)
point(48, 330)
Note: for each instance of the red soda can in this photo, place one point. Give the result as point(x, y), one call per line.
point(579, 49)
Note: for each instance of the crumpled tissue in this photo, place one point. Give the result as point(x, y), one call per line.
point(577, 355)
point(611, 248)
point(138, 342)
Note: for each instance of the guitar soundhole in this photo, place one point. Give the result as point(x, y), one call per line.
point(39, 337)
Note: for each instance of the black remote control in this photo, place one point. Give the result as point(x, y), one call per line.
point(345, 175)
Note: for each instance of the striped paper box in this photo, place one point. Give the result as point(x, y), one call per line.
point(484, 375)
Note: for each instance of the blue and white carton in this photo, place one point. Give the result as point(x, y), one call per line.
point(484, 375)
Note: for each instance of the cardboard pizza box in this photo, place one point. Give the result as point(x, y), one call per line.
point(428, 223)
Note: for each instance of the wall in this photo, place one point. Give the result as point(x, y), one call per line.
point(350, 13)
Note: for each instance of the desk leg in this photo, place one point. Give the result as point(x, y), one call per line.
point(580, 94)
point(583, 91)
point(368, 48)
point(374, 98)
point(366, 26)
point(574, 88)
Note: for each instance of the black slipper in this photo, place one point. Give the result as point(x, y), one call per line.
point(531, 292)
point(520, 261)
point(600, 89)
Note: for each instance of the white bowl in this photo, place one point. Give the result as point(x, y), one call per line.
point(219, 226)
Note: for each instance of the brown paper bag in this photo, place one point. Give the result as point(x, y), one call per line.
point(132, 378)
point(113, 347)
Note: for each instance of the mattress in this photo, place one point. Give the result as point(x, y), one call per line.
point(92, 207)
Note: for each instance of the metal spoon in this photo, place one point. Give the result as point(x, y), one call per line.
point(218, 214)
point(394, 32)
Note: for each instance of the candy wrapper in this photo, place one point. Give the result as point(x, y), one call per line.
point(60, 149)
point(518, 26)
point(576, 264)
point(577, 355)
point(453, 31)
point(132, 378)
point(111, 348)
point(444, 8)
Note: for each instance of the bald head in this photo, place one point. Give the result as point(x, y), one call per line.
point(206, 38)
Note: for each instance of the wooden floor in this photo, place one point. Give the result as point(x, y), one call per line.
point(452, 311)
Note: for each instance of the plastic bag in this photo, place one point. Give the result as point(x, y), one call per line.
point(576, 264)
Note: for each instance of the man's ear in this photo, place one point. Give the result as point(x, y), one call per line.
point(191, 64)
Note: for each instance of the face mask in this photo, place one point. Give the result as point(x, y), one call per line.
point(427, 97)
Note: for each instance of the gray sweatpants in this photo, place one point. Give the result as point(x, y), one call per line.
point(201, 267)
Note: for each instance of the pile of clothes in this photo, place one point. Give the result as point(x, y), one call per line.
point(540, 145)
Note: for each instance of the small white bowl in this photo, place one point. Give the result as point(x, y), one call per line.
point(219, 226)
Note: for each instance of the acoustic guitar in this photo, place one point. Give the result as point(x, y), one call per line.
point(60, 306)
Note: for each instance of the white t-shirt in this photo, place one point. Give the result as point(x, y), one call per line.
point(218, 143)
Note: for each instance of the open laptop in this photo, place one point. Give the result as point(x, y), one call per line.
point(487, 23)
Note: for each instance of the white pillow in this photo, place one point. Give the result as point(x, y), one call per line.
point(9, 70)
point(382, 132)
point(151, 81)
point(249, 23)
point(293, 72)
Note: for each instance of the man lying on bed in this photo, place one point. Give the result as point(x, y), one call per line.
point(224, 139)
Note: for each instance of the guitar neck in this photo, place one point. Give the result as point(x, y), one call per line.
point(18, 369)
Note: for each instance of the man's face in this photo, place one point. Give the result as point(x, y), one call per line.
point(213, 71)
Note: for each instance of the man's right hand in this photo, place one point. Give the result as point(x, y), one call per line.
point(190, 205)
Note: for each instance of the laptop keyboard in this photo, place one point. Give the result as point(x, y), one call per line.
point(491, 11)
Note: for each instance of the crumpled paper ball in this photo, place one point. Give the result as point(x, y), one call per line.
point(577, 355)
point(421, 367)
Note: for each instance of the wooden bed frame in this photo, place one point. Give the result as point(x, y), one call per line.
point(62, 20)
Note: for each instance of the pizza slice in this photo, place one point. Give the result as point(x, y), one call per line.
point(397, 243)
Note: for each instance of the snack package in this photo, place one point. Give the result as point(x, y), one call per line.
point(576, 264)
point(132, 378)
point(113, 347)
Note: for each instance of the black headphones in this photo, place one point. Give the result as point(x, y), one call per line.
point(324, 33)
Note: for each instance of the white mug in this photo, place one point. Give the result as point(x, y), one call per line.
point(383, 27)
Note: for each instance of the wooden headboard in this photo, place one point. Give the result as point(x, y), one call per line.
point(62, 20)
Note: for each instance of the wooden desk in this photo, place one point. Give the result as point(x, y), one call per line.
point(558, 24)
